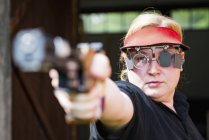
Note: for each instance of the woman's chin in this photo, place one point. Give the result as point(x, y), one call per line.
point(153, 93)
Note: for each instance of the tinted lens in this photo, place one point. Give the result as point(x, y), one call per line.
point(178, 62)
point(165, 59)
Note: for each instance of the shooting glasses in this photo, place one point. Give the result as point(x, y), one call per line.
point(142, 45)
point(168, 55)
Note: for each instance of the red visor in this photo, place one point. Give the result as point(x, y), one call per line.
point(153, 36)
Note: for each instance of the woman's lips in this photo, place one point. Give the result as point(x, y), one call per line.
point(154, 84)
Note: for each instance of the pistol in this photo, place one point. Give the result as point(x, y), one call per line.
point(34, 51)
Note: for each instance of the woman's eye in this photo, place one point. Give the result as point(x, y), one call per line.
point(139, 58)
point(142, 58)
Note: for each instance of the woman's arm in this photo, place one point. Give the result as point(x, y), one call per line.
point(118, 108)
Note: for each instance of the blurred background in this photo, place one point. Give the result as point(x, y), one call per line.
point(29, 111)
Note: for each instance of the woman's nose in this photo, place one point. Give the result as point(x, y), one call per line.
point(154, 68)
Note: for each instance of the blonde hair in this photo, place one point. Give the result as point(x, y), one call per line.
point(149, 19)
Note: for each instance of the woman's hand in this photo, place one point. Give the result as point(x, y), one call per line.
point(85, 106)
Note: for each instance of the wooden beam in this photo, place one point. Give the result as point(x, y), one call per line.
point(88, 6)
point(5, 72)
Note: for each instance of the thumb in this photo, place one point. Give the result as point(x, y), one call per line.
point(100, 67)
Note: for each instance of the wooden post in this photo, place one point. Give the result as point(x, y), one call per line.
point(5, 72)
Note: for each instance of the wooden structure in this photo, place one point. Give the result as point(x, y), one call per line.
point(36, 114)
point(5, 72)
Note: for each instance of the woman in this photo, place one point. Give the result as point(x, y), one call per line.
point(145, 104)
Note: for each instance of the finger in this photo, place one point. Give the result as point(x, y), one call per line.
point(70, 119)
point(83, 116)
point(63, 99)
point(100, 67)
point(80, 107)
point(91, 111)
point(53, 74)
point(85, 97)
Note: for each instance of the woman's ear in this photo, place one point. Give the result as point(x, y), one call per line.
point(182, 60)
point(181, 68)
point(182, 55)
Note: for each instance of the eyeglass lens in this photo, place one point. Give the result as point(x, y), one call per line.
point(142, 58)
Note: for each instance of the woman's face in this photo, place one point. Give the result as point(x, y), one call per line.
point(156, 81)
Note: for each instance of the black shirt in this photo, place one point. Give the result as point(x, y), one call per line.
point(151, 120)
